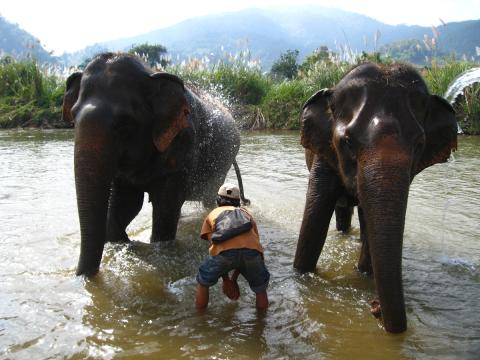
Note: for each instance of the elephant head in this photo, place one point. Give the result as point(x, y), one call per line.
point(366, 139)
point(125, 116)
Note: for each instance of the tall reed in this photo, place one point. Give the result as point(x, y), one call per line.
point(29, 96)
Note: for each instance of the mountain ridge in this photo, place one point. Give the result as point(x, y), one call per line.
point(270, 32)
point(266, 33)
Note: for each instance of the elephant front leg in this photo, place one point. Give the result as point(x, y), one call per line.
point(323, 190)
point(365, 261)
point(125, 203)
point(167, 204)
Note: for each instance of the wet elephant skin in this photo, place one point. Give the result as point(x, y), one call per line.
point(138, 131)
point(365, 141)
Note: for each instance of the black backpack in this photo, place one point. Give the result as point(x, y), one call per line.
point(231, 223)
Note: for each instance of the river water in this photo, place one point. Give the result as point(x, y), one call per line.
point(141, 305)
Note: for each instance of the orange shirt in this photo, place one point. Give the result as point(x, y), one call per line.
point(248, 239)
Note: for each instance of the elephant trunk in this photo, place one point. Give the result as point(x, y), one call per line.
point(383, 186)
point(323, 192)
point(94, 160)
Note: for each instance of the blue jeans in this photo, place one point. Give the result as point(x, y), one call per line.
point(248, 261)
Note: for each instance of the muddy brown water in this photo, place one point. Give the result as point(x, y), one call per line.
point(141, 305)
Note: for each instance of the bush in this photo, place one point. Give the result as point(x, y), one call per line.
point(283, 104)
point(468, 110)
point(241, 85)
point(236, 81)
point(28, 95)
point(440, 76)
point(324, 75)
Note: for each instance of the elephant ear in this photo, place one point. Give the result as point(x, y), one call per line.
point(170, 109)
point(317, 124)
point(72, 89)
point(440, 133)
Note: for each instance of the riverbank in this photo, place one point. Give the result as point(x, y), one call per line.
point(31, 94)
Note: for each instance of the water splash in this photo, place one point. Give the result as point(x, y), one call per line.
point(450, 173)
point(462, 81)
point(458, 85)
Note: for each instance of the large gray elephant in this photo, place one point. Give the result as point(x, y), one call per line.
point(138, 131)
point(365, 141)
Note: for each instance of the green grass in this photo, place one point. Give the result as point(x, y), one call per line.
point(245, 86)
point(440, 76)
point(31, 96)
point(468, 110)
point(28, 95)
point(238, 83)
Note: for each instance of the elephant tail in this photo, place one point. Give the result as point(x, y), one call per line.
point(240, 183)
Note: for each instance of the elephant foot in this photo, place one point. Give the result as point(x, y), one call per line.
point(376, 309)
point(344, 228)
point(162, 238)
point(365, 262)
point(365, 268)
point(118, 239)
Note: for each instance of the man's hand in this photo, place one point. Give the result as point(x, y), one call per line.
point(230, 286)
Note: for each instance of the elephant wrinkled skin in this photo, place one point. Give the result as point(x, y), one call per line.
point(137, 131)
point(365, 141)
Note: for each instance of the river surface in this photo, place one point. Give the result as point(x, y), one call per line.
point(141, 304)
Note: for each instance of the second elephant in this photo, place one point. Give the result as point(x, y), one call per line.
point(365, 140)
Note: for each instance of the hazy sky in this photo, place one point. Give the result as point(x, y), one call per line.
point(63, 25)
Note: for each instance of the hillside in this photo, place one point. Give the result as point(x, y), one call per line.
point(18, 43)
point(266, 33)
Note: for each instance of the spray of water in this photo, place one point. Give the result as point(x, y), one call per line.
point(458, 85)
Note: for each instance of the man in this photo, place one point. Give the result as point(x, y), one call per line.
point(234, 245)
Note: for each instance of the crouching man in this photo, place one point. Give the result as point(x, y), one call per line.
point(234, 245)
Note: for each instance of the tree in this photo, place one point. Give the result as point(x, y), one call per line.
point(153, 54)
point(375, 57)
point(287, 65)
point(320, 55)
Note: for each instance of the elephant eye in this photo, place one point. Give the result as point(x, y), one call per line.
point(348, 141)
point(349, 144)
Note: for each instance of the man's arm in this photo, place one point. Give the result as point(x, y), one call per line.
point(230, 286)
point(206, 228)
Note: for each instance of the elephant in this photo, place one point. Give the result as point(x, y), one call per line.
point(138, 131)
point(365, 139)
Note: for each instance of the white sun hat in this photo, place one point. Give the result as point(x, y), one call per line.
point(229, 191)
